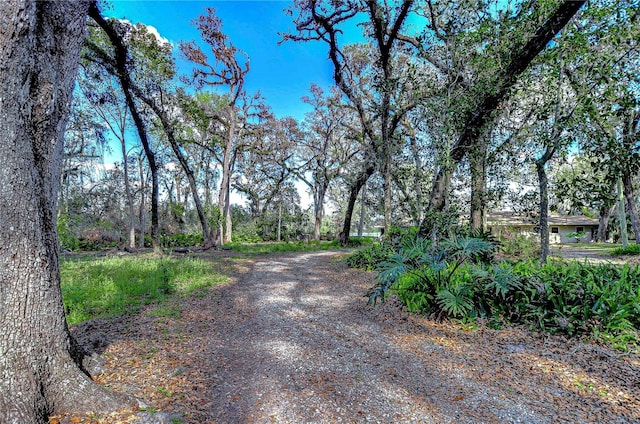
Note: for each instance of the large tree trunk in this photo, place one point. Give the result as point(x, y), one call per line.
point(418, 215)
point(543, 185)
point(603, 224)
point(141, 211)
point(362, 211)
point(353, 196)
point(387, 190)
point(622, 215)
point(224, 203)
point(318, 206)
point(39, 52)
point(127, 189)
point(631, 203)
point(544, 210)
point(477, 163)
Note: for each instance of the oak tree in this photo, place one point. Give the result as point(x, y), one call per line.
point(40, 364)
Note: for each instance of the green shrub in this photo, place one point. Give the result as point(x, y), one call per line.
point(181, 240)
point(581, 299)
point(438, 270)
point(376, 253)
point(439, 225)
point(576, 235)
point(246, 233)
point(632, 249)
point(283, 246)
point(453, 278)
point(361, 241)
point(93, 245)
point(397, 237)
point(518, 245)
point(368, 258)
point(67, 239)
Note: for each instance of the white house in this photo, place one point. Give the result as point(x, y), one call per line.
point(560, 226)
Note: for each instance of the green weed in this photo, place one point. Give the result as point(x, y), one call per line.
point(99, 287)
point(165, 310)
point(632, 249)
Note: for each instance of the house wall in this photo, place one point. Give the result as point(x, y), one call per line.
point(564, 230)
point(554, 238)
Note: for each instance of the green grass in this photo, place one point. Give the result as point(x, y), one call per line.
point(605, 248)
point(102, 287)
point(297, 246)
point(613, 249)
point(165, 310)
point(632, 249)
point(273, 247)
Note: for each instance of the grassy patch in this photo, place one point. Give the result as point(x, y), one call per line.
point(298, 246)
point(273, 247)
point(604, 248)
point(165, 310)
point(632, 249)
point(98, 287)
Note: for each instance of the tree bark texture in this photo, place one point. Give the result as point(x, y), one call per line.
point(353, 196)
point(127, 189)
point(477, 163)
point(622, 215)
point(40, 46)
point(319, 187)
point(543, 184)
point(224, 203)
point(603, 224)
point(363, 207)
point(420, 172)
point(631, 203)
point(141, 209)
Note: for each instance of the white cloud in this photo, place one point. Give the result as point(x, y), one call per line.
point(152, 30)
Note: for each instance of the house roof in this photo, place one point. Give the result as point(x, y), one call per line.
point(516, 219)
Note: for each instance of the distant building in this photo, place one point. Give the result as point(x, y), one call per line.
point(559, 226)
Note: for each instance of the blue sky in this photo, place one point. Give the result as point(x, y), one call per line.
point(282, 73)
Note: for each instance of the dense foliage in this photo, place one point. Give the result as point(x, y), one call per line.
point(462, 105)
point(456, 279)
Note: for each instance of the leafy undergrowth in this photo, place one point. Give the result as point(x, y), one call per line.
point(111, 286)
point(460, 278)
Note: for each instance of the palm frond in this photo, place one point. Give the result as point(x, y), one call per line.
point(455, 301)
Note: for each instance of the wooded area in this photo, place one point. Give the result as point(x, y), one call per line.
point(446, 112)
point(429, 120)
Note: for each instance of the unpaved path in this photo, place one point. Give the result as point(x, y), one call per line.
point(292, 341)
point(568, 251)
point(303, 348)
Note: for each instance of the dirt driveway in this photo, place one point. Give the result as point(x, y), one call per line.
point(291, 340)
point(594, 254)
